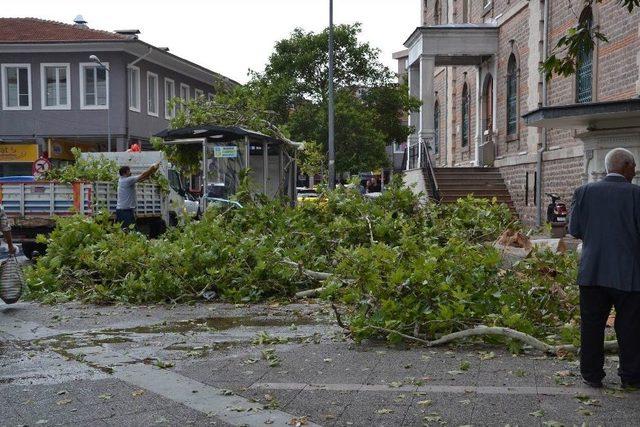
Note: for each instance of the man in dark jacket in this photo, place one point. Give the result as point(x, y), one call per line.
point(606, 216)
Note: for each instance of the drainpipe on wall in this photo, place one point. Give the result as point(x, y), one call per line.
point(543, 148)
point(445, 152)
point(126, 89)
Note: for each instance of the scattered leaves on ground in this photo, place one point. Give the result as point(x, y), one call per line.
point(271, 357)
point(539, 413)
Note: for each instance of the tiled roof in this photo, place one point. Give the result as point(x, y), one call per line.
point(33, 30)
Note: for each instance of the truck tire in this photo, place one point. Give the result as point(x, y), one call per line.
point(173, 219)
point(29, 248)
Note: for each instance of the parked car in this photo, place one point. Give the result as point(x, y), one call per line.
point(307, 195)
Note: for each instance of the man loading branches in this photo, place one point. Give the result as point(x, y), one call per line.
point(126, 204)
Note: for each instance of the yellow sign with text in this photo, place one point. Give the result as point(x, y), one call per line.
point(18, 153)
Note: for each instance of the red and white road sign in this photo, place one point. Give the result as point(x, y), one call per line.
point(41, 166)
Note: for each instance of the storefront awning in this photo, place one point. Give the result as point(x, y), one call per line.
point(591, 116)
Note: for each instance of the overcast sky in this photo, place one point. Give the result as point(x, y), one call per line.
point(230, 36)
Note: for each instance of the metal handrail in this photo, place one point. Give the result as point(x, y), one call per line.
point(427, 165)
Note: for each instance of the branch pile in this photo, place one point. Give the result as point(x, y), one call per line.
point(396, 269)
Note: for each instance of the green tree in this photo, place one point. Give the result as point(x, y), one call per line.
point(369, 104)
point(289, 100)
point(567, 54)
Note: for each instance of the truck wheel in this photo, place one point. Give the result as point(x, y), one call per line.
point(31, 248)
point(173, 219)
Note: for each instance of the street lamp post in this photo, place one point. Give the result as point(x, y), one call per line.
point(97, 60)
point(331, 112)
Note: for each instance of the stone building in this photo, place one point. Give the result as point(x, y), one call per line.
point(476, 66)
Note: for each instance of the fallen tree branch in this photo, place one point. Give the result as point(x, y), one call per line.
point(339, 317)
point(370, 229)
point(315, 275)
point(499, 331)
point(309, 293)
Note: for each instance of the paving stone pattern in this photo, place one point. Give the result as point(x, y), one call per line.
point(77, 365)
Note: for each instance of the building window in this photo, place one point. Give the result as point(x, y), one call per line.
point(437, 17)
point(134, 88)
point(94, 86)
point(55, 86)
point(584, 74)
point(199, 93)
point(512, 96)
point(169, 94)
point(210, 96)
point(465, 115)
point(185, 92)
point(16, 86)
point(152, 94)
point(436, 128)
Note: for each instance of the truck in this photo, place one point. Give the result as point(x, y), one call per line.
point(32, 204)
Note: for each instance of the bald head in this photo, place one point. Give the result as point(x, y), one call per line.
point(620, 160)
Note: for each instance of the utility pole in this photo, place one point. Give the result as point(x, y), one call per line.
point(332, 153)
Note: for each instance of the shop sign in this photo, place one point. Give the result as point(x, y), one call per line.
point(18, 153)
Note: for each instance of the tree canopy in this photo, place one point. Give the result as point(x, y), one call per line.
point(369, 103)
point(289, 100)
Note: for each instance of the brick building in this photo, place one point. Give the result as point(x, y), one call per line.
point(475, 64)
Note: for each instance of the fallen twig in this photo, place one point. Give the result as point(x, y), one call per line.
point(338, 317)
point(495, 330)
point(316, 275)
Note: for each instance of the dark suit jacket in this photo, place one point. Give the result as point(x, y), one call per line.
point(606, 216)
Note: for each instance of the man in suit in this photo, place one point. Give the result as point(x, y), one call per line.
point(606, 216)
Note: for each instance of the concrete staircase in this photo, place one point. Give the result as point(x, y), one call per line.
point(455, 183)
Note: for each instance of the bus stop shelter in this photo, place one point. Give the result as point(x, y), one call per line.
point(226, 151)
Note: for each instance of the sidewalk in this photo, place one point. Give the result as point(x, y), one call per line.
point(219, 364)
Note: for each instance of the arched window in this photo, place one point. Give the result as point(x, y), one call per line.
point(488, 103)
point(512, 96)
point(437, 13)
point(584, 73)
point(465, 115)
point(436, 128)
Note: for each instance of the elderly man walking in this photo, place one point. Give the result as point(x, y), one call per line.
point(606, 216)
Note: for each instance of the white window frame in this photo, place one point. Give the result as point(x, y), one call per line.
point(135, 108)
point(157, 95)
point(43, 86)
point(5, 92)
point(188, 98)
point(83, 106)
point(210, 96)
point(198, 93)
point(167, 99)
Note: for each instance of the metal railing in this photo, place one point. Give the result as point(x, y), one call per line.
point(426, 164)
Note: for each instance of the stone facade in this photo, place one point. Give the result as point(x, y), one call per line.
point(521, 33)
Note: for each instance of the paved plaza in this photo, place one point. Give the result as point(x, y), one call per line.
point(220, 364)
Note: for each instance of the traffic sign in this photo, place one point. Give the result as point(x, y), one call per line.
point(41, 166)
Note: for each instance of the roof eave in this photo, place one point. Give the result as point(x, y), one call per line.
point(125, 45)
